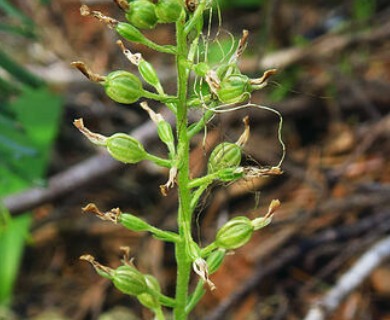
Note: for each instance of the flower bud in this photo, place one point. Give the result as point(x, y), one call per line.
point(125, 148)
point(123, 87)
point(129, 32)
point(164, 129)
point(149, 300)
point(141, 14)
point(225, 155)
point(132, 222)
point(148, 73)
point(168, 10)
point(201, 69)
point(165, 133)
point(235, 233)
point(227, 69)
point(234, 89)
point(215, 260)
point(129, 280)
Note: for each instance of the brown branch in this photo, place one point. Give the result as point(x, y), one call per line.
point(350, 280)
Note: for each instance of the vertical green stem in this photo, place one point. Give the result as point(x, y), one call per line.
point(184, 214)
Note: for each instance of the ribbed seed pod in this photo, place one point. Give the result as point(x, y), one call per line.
point(225, 155)
point(123, 87)
point(234, 88)
point(141, 14)
point(132, 222)
point(235, 233)
point(168, 11)
point(129, 32)
point(125, 148)
point(215, 260)
point(129, 280)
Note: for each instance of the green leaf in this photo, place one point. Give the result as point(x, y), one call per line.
point(13, 233)
point(28, 127)
point(25, 145)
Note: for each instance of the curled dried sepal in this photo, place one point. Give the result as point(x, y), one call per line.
point(85, 11)
point(134, 58)
point(111, 215)
point(123, 4)
point(241, 47)
point(263, 80)
point(155, 117)
point(101, 270)
point(242, 140)
point(164, 189)
point(255, 172)
point(82, 67)
point(95, 138)
point(201, 269)
point(191, 5)
point(261, 222)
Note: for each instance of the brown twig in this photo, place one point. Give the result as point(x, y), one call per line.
point(294, 251)
point(362, 268)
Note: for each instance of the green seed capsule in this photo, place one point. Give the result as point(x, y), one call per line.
point(123, 87)
point(133, 223)
point(148, 73)
point(215, 260)
point(129, 32)
point(235, 233)
point(147, 299)
point(234, 89)
point(168, 11)
point(225, 155)
point(142, 14)
point(129, 280)
point(125, 148)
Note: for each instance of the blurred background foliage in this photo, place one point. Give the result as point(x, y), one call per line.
point(29, 119)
